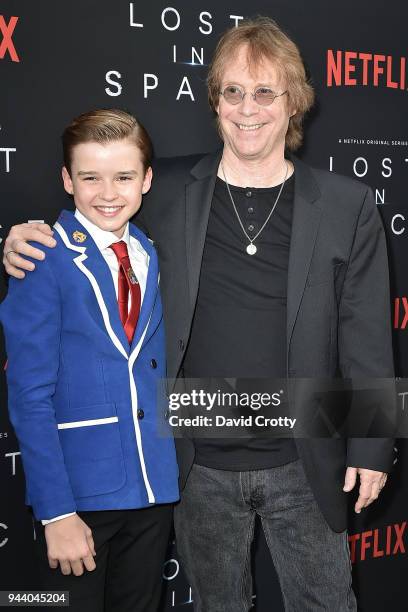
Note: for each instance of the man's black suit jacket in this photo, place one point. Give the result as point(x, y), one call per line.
point(338, 321)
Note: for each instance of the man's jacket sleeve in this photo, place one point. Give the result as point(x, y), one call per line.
point(365, 345)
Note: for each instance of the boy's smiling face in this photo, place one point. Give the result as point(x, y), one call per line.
point(107, 182)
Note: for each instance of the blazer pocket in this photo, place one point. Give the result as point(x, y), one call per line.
point(91, 444)
point(324, 276)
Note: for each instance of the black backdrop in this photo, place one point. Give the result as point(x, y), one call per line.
point(58, 59)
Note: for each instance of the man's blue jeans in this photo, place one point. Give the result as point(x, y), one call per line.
point(214, 530)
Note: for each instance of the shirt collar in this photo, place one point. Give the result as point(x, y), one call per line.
point(102, 238)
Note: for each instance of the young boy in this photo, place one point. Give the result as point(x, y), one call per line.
point(85, 344)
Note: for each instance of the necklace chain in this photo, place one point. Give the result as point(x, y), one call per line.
point(251, 248)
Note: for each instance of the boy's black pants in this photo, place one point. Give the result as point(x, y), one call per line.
point(130, 551)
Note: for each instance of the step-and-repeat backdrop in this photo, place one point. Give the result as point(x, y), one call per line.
point(58, 59)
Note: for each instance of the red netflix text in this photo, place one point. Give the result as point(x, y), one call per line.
point(6, 44)
point(400, 312)
point(377, 543)
point(350, 68)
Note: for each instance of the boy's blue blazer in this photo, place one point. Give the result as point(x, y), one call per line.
point(86, 406)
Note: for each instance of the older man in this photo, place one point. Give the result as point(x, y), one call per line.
point(267, 271)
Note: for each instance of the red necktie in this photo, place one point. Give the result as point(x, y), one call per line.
point(127, 281)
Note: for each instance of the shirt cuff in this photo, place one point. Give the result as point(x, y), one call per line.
point(57, 518)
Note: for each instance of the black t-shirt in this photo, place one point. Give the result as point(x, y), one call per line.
point(239, 326)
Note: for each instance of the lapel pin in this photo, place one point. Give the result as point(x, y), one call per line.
point(79, 236)
point(132, 276)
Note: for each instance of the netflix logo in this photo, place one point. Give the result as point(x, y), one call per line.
point(351, 68)
point(7, 48)
point(400, 312)
point(383, 542)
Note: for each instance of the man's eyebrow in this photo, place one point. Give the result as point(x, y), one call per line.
point(127, 172)
point(258, 84)
point(265, 84)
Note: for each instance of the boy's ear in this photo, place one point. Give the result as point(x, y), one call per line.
point(66, 178)
point(147, 181)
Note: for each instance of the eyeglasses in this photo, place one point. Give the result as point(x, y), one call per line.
point(264, 96)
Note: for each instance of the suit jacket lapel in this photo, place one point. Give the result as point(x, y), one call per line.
point(305, 225)
point(92, 264)
point(199, 195)
point(148, 315)
point(98, 267)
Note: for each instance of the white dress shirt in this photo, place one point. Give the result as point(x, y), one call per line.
point(139, 261)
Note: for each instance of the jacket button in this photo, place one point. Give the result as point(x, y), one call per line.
point(153, 363)
point(140, 413)
point(181, 345)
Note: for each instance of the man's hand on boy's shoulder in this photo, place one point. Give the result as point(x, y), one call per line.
point(16, 246)
point(70, 544)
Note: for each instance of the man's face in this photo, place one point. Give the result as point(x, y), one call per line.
point(251, 131)
point(107, 181)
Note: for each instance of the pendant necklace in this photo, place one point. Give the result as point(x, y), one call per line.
point(251, 248)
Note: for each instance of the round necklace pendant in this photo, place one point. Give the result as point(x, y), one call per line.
point(251, 249)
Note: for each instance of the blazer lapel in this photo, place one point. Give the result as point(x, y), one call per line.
point(99, 269)
point(305, 225)
point(199, 195)
point(92, 264)
point(149, 318)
